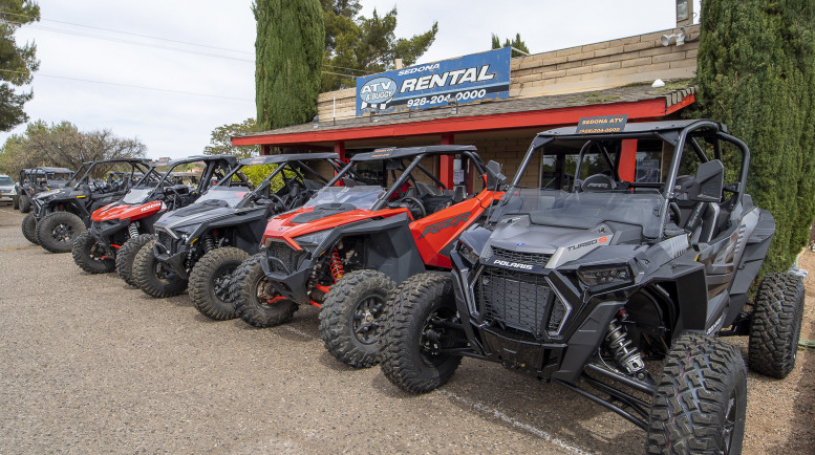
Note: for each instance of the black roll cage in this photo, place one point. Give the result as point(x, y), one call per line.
point(678, 137)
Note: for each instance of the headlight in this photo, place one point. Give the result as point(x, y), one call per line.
point(312, 240)
point(606, 274)
point(467, 253)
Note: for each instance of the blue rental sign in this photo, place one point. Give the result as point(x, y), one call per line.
point(472, 78)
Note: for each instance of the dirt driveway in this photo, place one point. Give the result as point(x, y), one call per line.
point(89, 365)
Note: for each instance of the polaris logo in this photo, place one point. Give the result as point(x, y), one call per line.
point(514, 265)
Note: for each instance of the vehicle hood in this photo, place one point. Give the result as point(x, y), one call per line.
point(187, 219)
point(121, 211)
point(314, 219)
point(521, 237)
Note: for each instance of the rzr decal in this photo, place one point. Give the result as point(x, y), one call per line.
point(444, 224)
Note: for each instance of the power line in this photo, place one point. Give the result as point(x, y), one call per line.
point(115, 84)
point(131, 34)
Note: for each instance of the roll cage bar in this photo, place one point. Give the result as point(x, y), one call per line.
point(675, 133)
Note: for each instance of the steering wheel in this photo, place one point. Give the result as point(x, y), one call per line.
point(676, 214)
point(414, 206)
point(278, 201)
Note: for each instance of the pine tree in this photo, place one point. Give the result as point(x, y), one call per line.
point(356, 45)
point(757, 75)
point(16, 62)
point(517, 43)
point(289, 52)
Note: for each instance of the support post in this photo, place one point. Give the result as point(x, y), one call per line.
point(628, 161)
point(447, 162)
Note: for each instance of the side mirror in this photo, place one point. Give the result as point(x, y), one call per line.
point(706, 186)
point(495, 179)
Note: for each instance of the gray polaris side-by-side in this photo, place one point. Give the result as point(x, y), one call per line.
point(203, 243)
point(59, 216)
point(610, 250)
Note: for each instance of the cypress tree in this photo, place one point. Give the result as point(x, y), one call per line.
point(289, 52)
point(757, 74)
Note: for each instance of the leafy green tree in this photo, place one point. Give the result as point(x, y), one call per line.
point(756, 73)
point(221, 140)
point(63, 145)
point(17, 63)
point(289, 52)
point(517, 43)
point(358, 45)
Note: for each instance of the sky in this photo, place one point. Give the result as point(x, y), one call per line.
point(168, 72)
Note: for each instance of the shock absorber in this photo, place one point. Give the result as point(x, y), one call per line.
point(208, 243)
point(133, 230)
point(335, 265)
point(625, 355)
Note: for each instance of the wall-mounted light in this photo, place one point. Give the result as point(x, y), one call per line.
point(680, 38)
point(316, 121)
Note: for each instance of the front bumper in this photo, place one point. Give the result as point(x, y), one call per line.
point(539, 323)
point(103, 231)
point(172, 252)
point(288, 271)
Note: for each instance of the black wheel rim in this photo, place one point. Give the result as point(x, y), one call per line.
point(264, 298)
point(367, 322)
point(97, 252)
point(728, 432)
point(220, 285)
point(163, 272)
point(62, 232)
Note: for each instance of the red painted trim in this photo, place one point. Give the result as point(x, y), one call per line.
point(628, 160)
point(339, 149)
point(653, 108)
point(687, 101)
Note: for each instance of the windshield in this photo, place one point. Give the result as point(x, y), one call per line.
point(229, 195)
point(137, 195)
point(6, 181)
point(57, 180)
point(349, 198)
point(585, 210)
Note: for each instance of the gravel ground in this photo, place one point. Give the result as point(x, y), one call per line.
point(89, 365)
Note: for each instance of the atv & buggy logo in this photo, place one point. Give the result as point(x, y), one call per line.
point(377, 92)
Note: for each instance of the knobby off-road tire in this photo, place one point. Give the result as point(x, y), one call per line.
point(407, 360)
point(211, 279)
point(352, 317)
point(15, 202)
point(25, 204)
point(154, 278)
point(126, 255)
point(251, 293)
point(57, 231)
point(700, 403)
point(776, 325)
point(29, 228)
point(90, 256)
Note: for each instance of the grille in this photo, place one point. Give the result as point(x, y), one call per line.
point(288, 255)
point(165, 239)
point(517, 256)
point(514, 300)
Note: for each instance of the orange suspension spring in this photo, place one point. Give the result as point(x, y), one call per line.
point(335, 264)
